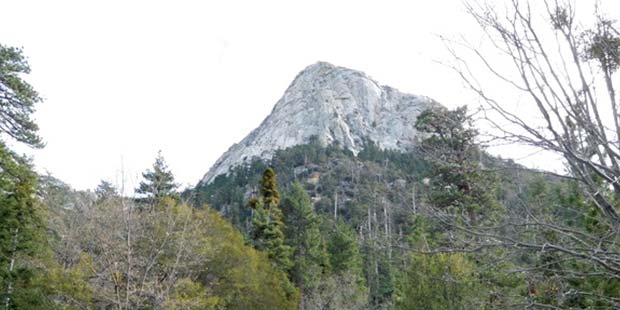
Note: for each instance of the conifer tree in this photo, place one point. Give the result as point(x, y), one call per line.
point(344, 253)
point(268, 188)
point(17, 98)
point(158, 183)
point(267, 224)
point(105, 190)
point(310, 259)
point(21, 231)
point(458, 182)
point(440, 281)
point(21, 228)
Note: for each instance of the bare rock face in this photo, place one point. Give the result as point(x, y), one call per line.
point(335, 105)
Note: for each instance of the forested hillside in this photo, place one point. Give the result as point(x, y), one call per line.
point(378, 210)
point(382, 202)
point(319, 228)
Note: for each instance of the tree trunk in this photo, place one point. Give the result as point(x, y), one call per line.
point(9, 289)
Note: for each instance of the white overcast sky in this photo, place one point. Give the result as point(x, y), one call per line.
point(124, 79)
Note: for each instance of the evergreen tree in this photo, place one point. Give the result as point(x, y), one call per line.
point(440, 281)
point(310, 260)
point(105, 190)
point(344, 253)
point(158, 183)
point(464, 192)
point(268, 188)
point(21, 228)
point(458, 182)
point(267, 224)
point(17, 98)
point(21, 233)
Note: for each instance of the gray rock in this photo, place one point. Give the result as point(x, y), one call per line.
point(335, 104)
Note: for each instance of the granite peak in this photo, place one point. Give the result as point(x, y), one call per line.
point(333, 104)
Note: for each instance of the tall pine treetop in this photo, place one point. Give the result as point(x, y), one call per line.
point(22, 233)
point(17, 98)
point(267, 224)
point(159, 182)
point(268, 188)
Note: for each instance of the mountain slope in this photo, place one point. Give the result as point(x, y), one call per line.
point(337, 106)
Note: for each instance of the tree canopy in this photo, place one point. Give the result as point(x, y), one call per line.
point(158, 182)
point(17, 98)
point(21, 224)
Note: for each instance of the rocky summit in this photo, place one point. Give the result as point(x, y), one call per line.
point(334, 105)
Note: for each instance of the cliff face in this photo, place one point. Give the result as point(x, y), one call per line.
point(336, 105)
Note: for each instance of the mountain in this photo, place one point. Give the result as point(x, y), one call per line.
point(335, 105)
point(372, 191)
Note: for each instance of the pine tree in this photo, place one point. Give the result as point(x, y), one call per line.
point(310, 259)
point(344, 253)
point(268, 188)
point(267, 224)
point(17, 98)
point(21, 232)
point(158, 183)
point(21, 228)
point(105, 191)
point(440, 281)
point(458, 182)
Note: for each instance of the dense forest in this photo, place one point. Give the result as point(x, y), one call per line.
point(444, 226)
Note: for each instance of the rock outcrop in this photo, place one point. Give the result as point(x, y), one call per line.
point(335, 105)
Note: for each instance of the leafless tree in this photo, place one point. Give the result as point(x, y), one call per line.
point(562, 70)
point(560, 66)
point(134, 255)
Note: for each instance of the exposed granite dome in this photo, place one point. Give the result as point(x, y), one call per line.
point(334, 104)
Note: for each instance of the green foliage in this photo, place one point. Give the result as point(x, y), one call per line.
point(366, 263)
point(21, 232)
point(337, 291)
point(310, 260)
point(178, 257)
point(22, 229)
point(17, 98)
point(268, 189)
point(344, 253)
point(105, 190)
point(244, 278)
point(69, 287)
point(267, 223)
point(158, 183)
point(602, 44)
point(461, 192)
point(558, 279)
point(379, 273)
point(414, 167)
point(189, 295)
point(360, 183)
point(457, 178)
point(268, 236)
point(440, 281)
